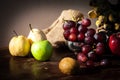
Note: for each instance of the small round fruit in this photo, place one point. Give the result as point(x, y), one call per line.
point(68, 24)
point(81, 57)
point(89, 40)
point(82, 29)
point(81, 37)
point(72, 37)
point(86, 49)
point(68, 66)
point(90, 32)
point(86, 22)
point(66, 34)
point(19, 46)
point(42, 50)
point(74, 30)
point(100, 50)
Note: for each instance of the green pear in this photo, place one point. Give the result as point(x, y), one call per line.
point(42, 50)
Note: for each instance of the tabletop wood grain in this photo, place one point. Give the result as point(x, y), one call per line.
point(27, 68)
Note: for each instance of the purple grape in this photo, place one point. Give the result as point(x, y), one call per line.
point(90, 32)
point(100, 37)
point(86, 49)
point(81, 57)
point(72, 37)
point(69, 24)
point(100, 50)
point(74, 30)
point(82, 29)
point(81, 37)
point(100, 44)
point(89, 40)
point(91, 55)
point(85, 22)
point(66, 34)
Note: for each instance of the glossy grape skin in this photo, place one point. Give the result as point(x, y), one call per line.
point(92, 55)
point(82, 29)
point(100, 37)
point(89, 40)
point(90, 32)
point(66, 34)
point(100, 50)
point(86, 22)
point(100, 44)
point(68, 24)
point(72, 37)
point(74, 30)
point(81, 37)
point(86, 49)
point(81, 57)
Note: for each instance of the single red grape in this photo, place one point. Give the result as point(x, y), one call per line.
point(81, 37)
point(81, 57)
point(66, 34)
point(86, 22)
point(90, 32)
point(72, 37)
point(69, 24)
point(82, 29)
point(74, 30)
point(89, 40)
point(86, 49)
point(100, 50)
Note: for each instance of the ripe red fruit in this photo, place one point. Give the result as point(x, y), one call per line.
point(100, 50)
point(66, 34)
point(74, 30)
point(73, 37)
point(81, 57)
point(81, 37)
point(114, 43)
point(86, 22)
point(68, 24)
point(86, 49)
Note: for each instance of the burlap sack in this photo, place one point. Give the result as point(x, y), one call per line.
point(54, 33)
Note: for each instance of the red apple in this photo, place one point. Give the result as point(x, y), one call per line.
point(114, 43)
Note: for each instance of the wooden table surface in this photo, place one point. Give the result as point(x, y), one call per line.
point(27, 68)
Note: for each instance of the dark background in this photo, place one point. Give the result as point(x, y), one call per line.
point(17, 14)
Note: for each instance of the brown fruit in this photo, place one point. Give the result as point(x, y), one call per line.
point(68, 66)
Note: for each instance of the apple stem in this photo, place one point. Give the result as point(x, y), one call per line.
point(30, 27)
point(15, 32)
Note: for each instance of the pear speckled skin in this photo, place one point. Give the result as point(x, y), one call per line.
point(19, 46)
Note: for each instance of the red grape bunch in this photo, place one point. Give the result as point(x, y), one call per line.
point(88, 45)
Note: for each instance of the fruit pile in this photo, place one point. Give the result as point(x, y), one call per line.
point(36, 43)
point(88, 45)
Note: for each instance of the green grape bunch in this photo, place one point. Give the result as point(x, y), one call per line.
point(107, 14)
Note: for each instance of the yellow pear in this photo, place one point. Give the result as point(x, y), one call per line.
point(19, 46)
point(36, 35)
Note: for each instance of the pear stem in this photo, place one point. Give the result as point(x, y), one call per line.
point(30, 27)
point(15, 32)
